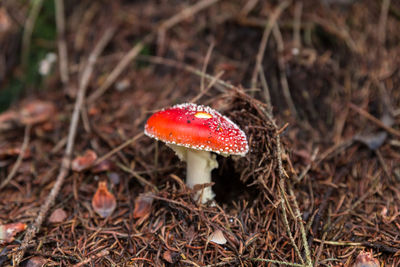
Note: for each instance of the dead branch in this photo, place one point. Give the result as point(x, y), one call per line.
point(65, 163)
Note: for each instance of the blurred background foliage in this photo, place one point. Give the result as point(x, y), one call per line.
point(20, 79)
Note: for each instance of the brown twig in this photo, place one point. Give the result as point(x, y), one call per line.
point(206, 60)
point(141, 179)
point(277, 262)
point(185, 13)
point(209, 86)
point(264, 40)
point(374, 245)
point(302, 228)
point(119, 68)
point(379, 123)
point(28, 29)
point(248, 7)
point(62, 45)
point(65, 163)
point(322, 207)
point(282, 71)
point(296, 206)
point(285, 219)
point(283, 194)
point(180, 65)
point(298, 10)
point(267, 95)
point(119, 148)
point(382, 22)
point(20, 157)
point(384, 165)
point(339, 31)
point(134, 52)
point(101, 254)
point(319, 251)
point(308, 167)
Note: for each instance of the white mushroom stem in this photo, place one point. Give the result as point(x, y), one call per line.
point(198, 169)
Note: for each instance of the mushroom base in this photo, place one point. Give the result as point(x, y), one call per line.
point(198, 169)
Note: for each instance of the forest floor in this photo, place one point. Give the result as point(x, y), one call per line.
point(313, 84)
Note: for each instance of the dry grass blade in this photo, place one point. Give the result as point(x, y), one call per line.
point(62, 45)
point(206, 60)
point(263, 44)
point(119, 148)
point(283, 194)
point(188, 68)
point(278, 262)
point(20, 157)
point(28, 29)
point(185, 13)
point(379, 123)
point(134, 52)
point(101, 254)
point(383, 21)
point(267, 95)
point(112, 77)
point(282, 70)
point(138, 177)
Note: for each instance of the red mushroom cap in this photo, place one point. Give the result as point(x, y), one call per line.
point(198, 127)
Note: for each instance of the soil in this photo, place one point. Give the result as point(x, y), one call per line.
point(313, 84)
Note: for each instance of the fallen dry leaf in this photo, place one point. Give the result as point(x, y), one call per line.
point(8, 231)
point(103, 202)
point(84, 162)
point(36, 111)
point(57, 216)
point(217, 237)
point(167, 256)
point(366, 259)
point(142, 206)
point(36, 261)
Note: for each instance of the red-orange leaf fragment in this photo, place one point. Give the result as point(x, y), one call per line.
point(103, 202)
point(84, 162)
point(8, 231)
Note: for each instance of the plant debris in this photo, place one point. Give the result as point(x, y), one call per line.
point(103, 202)
point(58, 216)
point(313, 84)
point(8, 231)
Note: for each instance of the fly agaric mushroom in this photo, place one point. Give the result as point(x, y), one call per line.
point(193, 132)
